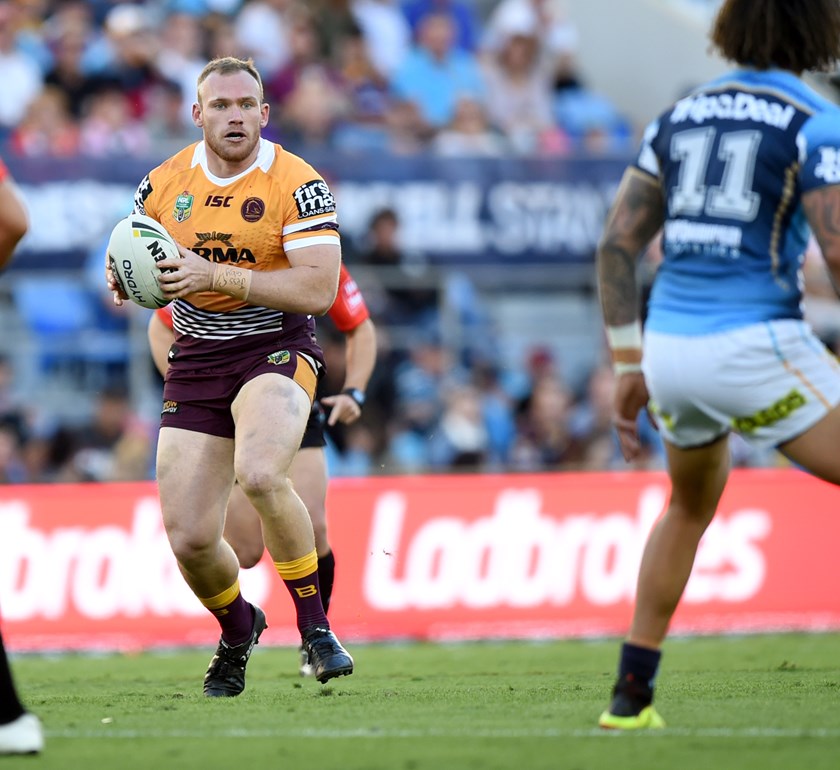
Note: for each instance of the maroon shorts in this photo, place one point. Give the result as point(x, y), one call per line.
point(200, 389)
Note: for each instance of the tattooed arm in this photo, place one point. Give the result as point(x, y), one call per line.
point(822, 208)
point(636, 215)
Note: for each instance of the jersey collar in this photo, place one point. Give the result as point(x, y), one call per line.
point(265, 157)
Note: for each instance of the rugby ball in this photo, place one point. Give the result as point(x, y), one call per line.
point(137, 244)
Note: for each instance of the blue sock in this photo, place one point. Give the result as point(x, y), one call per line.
point(639, 662)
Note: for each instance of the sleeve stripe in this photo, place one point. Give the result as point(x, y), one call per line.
point(288, 229)
point(320, 240)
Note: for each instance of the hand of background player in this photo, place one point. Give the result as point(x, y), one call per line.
point(343, 409)
point(186, 275)
point(631, 396)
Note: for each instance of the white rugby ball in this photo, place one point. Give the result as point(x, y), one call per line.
point(137, 244)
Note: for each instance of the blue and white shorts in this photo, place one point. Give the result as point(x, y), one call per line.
point(769, 382)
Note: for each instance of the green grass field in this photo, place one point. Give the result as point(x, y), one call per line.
point(730, 703)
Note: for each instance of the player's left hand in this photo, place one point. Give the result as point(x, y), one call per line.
point(343, 409)
point(187, 275)
point(631, 396)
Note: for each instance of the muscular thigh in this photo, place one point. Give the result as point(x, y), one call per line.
point(769, 382)
point(195, 476)
point(270, 413)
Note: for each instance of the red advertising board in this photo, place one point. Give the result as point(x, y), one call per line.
point(435, 557)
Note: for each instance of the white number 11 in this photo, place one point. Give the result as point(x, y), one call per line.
point(734, 198)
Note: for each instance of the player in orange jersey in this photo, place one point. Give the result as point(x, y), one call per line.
point(20, 731)
point(260, 256)
point(308, 470)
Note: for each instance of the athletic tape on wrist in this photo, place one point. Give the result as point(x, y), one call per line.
point(623, 367)
point(625, 336)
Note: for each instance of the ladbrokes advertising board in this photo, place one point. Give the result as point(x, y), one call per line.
point(450, 557)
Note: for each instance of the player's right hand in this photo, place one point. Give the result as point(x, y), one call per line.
point(631, 396)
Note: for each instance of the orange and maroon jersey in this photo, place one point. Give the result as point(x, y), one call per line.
point(251, 220)
point(347, 312)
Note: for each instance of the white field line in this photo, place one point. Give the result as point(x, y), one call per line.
point(110, 733)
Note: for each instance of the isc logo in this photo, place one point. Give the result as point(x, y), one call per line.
point(218, 201)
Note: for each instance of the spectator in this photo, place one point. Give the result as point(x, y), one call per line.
point(469, 134)
point(365, 86)
point(435, 74)
point(22, 79)
point(497, 410)
point(408, 285)
point(12, 466)
point(109, 128)
point(407, 131)
point(465, 20)
point(545, 19)
point(15, 411)
point(312, 111)
point(544, 441)
point(220, 38)
point(180, 61)
point(461, 439)
point(47, 128)
point(304, 57)
point(385, 31)
point(262, 32)
point(590, 120)
point(420, 382)
point(116, 445)
point(67, 72)
point(130, 60)
point(169, 130)
point(519, 90)
point(333, 21)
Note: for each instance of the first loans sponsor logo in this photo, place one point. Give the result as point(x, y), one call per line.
point(521, 556)
point(313, 199)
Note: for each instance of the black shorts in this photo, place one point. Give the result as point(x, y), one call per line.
point(313, 436)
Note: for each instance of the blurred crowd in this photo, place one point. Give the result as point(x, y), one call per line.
point(454, 77)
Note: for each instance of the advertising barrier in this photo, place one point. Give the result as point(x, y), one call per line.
point(436, 557)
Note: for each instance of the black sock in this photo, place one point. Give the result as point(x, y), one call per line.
point(10, 706)
point(639, 662)
point(326, 578)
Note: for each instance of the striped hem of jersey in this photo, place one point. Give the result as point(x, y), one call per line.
point(246, 321)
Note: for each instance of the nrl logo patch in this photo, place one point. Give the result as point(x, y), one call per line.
point(279, 358)
point(183, 207)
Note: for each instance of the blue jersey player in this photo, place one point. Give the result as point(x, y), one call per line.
point(735, 176)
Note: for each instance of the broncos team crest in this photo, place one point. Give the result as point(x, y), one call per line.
point(279, 358)
point(183, 207)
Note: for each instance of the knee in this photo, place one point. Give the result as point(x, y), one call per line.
point(190, 547)
point(261, 482)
